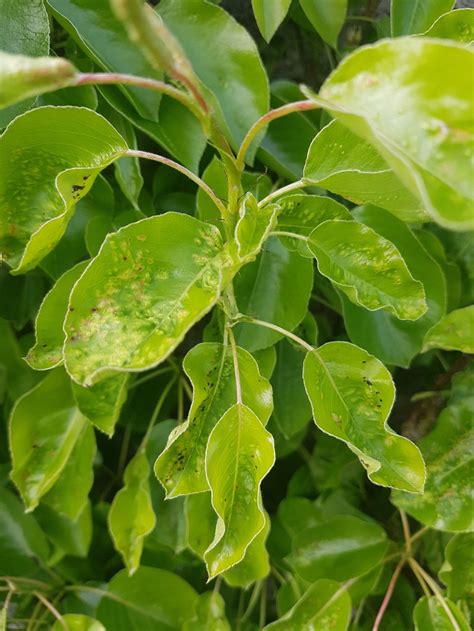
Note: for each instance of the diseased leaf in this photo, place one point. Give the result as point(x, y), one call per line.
point(454, 332)
point(209, 366)
point(448, 451)
point(340, 548)
point(69, 494)
point(151, 281)
point(352, 394)
point(457, 571)
point(269, 14)
point(239, 454)
point(210, 614)
point(343, 163)
point(326, 17)
point(48, 350)
point(430, 615)
point(25, 31)
point(78, 622)
point(44, 174)
point(94, 27)
point(391, 340)
point(422, 138)
point(253, 227)
point(276, 288)
point(102, 402)
point(325, 606)
point(416, 16)
point(151, 599)
point(367, 268)
point(22, 77)
point(131, 517)
point(45, 422)
point(226, 60)
point(457, 25)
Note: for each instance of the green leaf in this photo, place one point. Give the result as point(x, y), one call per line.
point(352, 394)
point(446, 503)
point(391, 340)
point(18, 377)
point(151, 281)
point(131, 517)
point(209, 366)
point(253, 227)
point(150, 600)
point(457, 25)
point(275, 288)
point(102, 402)
point(325, 606)
point(430, 615)
point(285, 144)
point(341, 162)
point(44, 174)
point(457, 571)
point(48, 350)
point(269, 14)
point(44, 422)
point(210, 614)
point(454, 332)
point(200, 522)
point(422, 137)
point(20, 20)
point(77, 622)
point(23, 545)
point(68, 496)
point(225, 58)
point(239, 454)
point(416, 16)
point(367, 268)
point(292, 411)
point(255, 565)
point(72, 537)
point(340, 548)
point(22, 77)
point(326, 17)
point(94, 27)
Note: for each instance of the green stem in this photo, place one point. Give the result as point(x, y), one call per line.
point(156, 412)
point(284, 233)
point(278, 329)
point(266, 119)
point(152, 375)
point(282, 191)
point(263, 606)
point(235, 358)
point(135, 153)
point(253, 601)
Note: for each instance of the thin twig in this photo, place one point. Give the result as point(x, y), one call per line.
point(388, 594)
point(279, 329)
point(51, 608)
point(406, 531)
point(282, 191)
point(238, 386)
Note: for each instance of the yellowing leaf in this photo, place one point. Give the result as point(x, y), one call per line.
point(49, 159)
point(209, 366)
point(131, 515)
point(239, 454)
point(150, 282)
point(454, 332)
point(352, 394)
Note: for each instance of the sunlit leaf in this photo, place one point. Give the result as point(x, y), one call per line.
point(352, 394)
point(131, 515)
point(457, 25)
point(446, 503)
point(239, 454)
point(269, 14)
point(430, 615)
point(44, 422)
point(408, 17)
point(253, 227)
point(44, 174)
point(151, 281)
point(209, 366)
point(325, 606)
point(454, 331)
point(367, 268)
point(77, 622)
point(341, 162)
point(210, 614)
point(102, 402)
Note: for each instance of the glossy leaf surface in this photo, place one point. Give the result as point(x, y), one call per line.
point(408, 17)
point(209, 366)
point(367, 268)
point(150, 282)
point(102, 402)
point(44, 421)
point(255, 565)
point(454, 331)
point(352, 394)
point(447, 450)
point(430, 615)
point(131, 515)
point(78, 622)
point(37, 202)
point(423, 140)
point(239, 454)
